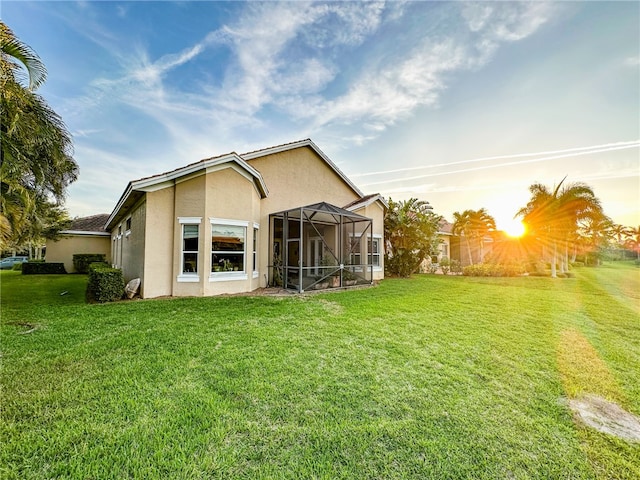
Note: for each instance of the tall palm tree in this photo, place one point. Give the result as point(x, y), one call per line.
point(14, 52)
point(553, 216)
point(36, 157)
point(633, 240)
point(462, 228)
point(481, 225)
point(473, 225)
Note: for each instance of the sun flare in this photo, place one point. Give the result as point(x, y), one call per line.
point(515, 228)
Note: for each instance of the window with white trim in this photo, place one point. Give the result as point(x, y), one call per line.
point(374, 254)
point(190, 242)
point(255, 249)
point(228, 242)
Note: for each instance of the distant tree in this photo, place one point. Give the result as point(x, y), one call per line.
point(596, 233)
point(474, 225)
point(552, 218)
point(36, 164)
point(632, 241)
point(410, 228)
point(462, 228)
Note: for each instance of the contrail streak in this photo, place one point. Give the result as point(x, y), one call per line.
point(578, 150)
point(497, 165)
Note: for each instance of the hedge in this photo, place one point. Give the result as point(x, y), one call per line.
point(40, 268)
point(81, 261)
point(106, 284)
point(493, 270)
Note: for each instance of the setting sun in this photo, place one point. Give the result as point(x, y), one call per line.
point(515, 228)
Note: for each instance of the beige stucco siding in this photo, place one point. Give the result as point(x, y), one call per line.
point(189, 202)
point(230, 196)
point(133, 242)
point(296, 178)
point(159, 225)
point(62, 250)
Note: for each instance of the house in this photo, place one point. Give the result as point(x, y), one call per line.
point(84, 235)
point(284, 215)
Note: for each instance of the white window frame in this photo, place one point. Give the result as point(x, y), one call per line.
point(229, 276)
point(188, 277)
point(378, 239)
point(256, 241)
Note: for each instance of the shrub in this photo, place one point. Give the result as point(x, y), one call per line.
point(81, 261)
point(493, 270)
point(42, 268)
point(456, 266)
point(17, 267)
point(432, 268)
point(106, 284)
point(445, 265)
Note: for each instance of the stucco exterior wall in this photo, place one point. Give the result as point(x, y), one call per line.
point(159, 225)
point(295, 178)
point(230, 195)
point(133, 244)
point(62, 250)
point(189, 202)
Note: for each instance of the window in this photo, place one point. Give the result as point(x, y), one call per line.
point(128, 224)
point(190, 237)
point(255, 250)
point(374, 255)
point(228, 247)
point(444, 248)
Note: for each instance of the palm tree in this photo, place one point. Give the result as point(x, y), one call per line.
point(462, 228)
point(481, 225)
point(13, 51)
point(36, 156)
point(476, 225)
point(633, 240)
point(553, 216)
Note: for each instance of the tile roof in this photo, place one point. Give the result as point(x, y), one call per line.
point(94, 223)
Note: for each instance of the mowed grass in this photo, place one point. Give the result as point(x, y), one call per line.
point(428, 377)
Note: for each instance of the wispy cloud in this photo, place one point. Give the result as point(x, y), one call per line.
point(285, 56)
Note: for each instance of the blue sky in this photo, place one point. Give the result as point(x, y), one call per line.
point(461, 104)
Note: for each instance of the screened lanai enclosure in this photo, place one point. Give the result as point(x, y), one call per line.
point(320, 246)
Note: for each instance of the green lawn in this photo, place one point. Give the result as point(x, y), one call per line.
point(429, 377)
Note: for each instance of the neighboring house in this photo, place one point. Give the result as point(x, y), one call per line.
point(284, 215)
point(84, 235)
point(444, 236)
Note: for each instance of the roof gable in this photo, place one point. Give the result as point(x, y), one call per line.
point(365, 201)
point(301, 144)
point(136, 188)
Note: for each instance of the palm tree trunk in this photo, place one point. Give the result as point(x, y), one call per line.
point(469, 251)
point(554, 257)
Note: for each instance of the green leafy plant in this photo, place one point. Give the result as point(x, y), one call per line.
point(81, 261)
point(105, 284)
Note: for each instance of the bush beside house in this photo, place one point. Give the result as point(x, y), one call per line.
point(81, 261)
point(106, 284)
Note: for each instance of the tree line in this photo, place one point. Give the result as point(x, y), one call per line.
point(562, 224)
